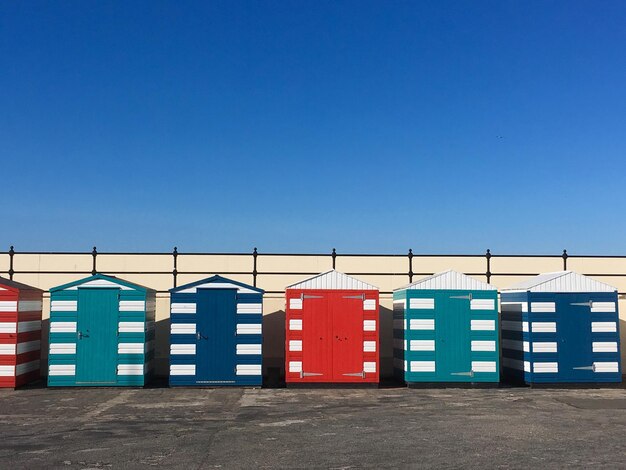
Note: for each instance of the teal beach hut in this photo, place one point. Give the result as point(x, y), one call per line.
point(445, 329)
point(101, 333)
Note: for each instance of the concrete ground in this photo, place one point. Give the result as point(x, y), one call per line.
point(327, 428)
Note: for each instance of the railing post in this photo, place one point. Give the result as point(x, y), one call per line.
point(11, 255)
point(565, 256)
point(94, 253)
point(410, 265)
point(488, 273)
point(255, 254)
point(334, 256)
point(175, 270)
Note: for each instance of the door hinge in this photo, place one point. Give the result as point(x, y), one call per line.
point(466, 374)
point(584, 304)
point(360, 296)
point(309, 374)
point(466, 297)
point(591, 367)
point(356, 374)
point(310, 296)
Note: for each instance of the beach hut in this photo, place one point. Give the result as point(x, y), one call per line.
point(445, 329)
point(560, 327)
point(216, 333)
point(20, 333)
point(101, 333)
point(332, 330)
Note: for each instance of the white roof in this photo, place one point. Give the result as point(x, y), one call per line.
point(561, 281)
point(449, 280)
point(332, 280)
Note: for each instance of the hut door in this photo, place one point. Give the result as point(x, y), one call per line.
point(315, 337)
point(216, 336)
point(96, 331)
point(573, 332)
point(347, 337)
point(452, 326)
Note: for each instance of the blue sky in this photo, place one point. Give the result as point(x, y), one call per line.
point(302, 126)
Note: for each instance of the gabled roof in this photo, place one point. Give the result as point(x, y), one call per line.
point(332, 280)
point(14, 285)
point(561, 281)
point(217, 282)
point(449, 280)
point(100, 280)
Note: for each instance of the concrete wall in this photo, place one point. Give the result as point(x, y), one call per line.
point(388, 272)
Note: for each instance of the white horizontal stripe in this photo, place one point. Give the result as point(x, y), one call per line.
point(603, 307)
point(183, 369)
point(218, 285)
point(24, 326)
point(183, 328)
point(483, 345)
point(63, 327)
point(63, 305)
point(30, 306)
point(605, 367)
point(295, 304)
point(100, 283)
point(516, 345)
point(130, 369)
point(545, 367)
point(27, 367)
point(62, 348)
point(249, 349)
point(249, 329)
point(295, 366)
point(183, 308)
point(295, 345)
point(544, 347)
point(369, 304)
point(514, 306)
point(422, 304)
point(7, 371)
point(248, 369)
point(8, 327)
point(369, 346)
point(483, 366)
point(295, 325)
point(482, 304)
point(369, 367)
point(422, 345)
point(132, 305)
point(603, 327)
point(602, 346)
point(130, 348)
point(543, 327)
point(7, 349)
point(422, 366)
point(244, 309)
point(543, 307)
point(182, 349)
point(422, 324)
point(482, 325)
point(131, 327)
point(62, 369)
point(8, 306)
point(369, 325)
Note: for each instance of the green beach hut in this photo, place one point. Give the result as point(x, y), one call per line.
point(445, 329)
point(101, 333)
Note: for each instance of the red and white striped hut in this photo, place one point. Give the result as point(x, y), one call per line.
point(20, 333)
